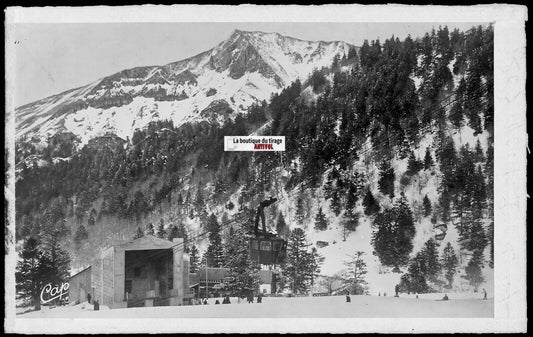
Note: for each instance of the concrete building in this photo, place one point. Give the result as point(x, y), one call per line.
point(208, 283)
point(144, 272)
point(217, 278)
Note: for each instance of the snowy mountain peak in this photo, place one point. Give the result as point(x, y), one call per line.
point(244, 69)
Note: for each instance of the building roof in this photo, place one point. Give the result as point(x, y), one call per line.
point(81, 271)
point(147, 243)
point(213, 274)
point(218, 274)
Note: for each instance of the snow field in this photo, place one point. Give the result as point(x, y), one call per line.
point(299, 307)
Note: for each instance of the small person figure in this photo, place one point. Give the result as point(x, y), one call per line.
point(397, 289)
point(217, 302)
point(484, 294)
point(445, 298)
point(259, 298)
point(384, 294)
point(379, 294)
point(89, 297)
point(205, 301)
point(417, 296)
point(348, 298)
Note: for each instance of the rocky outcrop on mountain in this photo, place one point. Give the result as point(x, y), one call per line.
point(219, 109)
point(185, 77)
point(109, 141)
point(110, 99)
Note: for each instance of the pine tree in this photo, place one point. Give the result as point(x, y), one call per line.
point(428, 159)
point(352, 53)
point(352, 195)
point(92, 218)
point(478, 192)
point(297, 260)
point(150, 230)
point(199, 202)
point(243, 272)
point(330, 185)
point(354, 277)
point(215, 252)
point(427, 206)
point(335, 64)
point(431, 257)
point(172, 233)
point(393, 233)
point(31, 272)
point(193, 259)
point(335, 205)
point(473, 270)
point(480, 156)
point(449, 263)
point(80, 236)
point(219, 190)
point(139, 234)
point(300, 212)
point(415, 278)
point(160, 233)
point(57, 257)
point(413, 165)
point(321, 223)
point(386, 180)
point(370, 204)
point(473, 105)
point(444, 202)
point(472, 236)
point(349, 223)
point(457, 113)
point(315, 260)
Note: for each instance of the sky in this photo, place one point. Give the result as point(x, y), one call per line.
point(52, 58)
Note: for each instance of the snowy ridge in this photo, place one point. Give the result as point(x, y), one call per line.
point(246, 68)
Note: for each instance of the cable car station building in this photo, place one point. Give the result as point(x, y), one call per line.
point(141, 273)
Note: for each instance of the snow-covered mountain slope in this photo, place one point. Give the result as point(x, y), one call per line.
point(381, 279)
point(214, 85)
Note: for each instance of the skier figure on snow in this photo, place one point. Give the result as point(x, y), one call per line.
point(261, 214)
point(484, 294)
